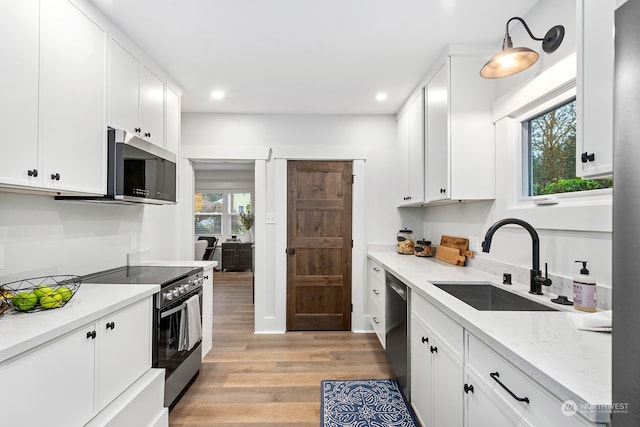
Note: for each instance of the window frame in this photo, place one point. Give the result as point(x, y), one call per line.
point(577, 211)
point(226, 214)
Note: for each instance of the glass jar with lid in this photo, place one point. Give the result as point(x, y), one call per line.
point(406, 243)
point(424, 248)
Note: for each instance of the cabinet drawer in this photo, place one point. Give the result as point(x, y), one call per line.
point(377, 291)
point(378, 322)
point(543, 407)
point(447, 329)
point(375, 270)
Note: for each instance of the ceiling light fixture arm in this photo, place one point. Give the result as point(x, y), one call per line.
point(550, 42)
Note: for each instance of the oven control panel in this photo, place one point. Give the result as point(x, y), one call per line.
point(180, 289)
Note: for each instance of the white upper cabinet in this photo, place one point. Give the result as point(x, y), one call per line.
point(594, 100)
point(152, 108)
point(172, 135)
point(137, 96)
point(411, 151)
point(460, 139)
point(124, 89)
point(72, 125)
point(19, 100)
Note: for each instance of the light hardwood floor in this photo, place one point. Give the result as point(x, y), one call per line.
point(269, 380)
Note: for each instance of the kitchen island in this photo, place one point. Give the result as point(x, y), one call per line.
point(571, 364)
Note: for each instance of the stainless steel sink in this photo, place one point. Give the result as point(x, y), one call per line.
point(487, 297)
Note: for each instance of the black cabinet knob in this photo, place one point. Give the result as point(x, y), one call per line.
point(111, 325)
point(206, 277)
point(147, 134)
point(468, 388)
point(424, 340)
point(55, 176)
point(91, 334)
point(586, 157)
point(138, 130)
point(32, 172)
point(433, 349)
point(443, 190)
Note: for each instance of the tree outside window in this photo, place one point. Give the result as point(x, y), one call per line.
point(208, 209)
point(550, 154)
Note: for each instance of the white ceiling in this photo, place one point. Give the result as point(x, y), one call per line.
point(304, 56)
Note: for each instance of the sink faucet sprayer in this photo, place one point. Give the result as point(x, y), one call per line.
point(536, 279)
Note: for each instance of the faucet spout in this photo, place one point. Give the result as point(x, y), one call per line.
point(536, 279)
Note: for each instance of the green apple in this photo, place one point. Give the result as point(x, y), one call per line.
point(24, 301)
point(43, 290)
point(65, 293)
point(50, 301)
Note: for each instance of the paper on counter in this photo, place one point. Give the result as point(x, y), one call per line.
point(599, 321)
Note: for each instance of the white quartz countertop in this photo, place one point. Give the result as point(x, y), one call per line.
point(572, 364)
point(206, 265)
point(20, 332)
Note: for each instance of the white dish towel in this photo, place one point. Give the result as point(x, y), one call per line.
point(190, 324)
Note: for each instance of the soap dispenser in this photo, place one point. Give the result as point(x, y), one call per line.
point(584, 290)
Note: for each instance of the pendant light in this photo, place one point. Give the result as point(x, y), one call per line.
point(512, 60)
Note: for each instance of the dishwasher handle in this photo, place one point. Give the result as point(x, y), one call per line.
point(397, 286)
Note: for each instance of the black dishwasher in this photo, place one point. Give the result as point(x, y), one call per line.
point(396, 330)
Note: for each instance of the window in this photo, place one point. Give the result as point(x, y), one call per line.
point(549, 154)
point(218, 212)
point(208, 209)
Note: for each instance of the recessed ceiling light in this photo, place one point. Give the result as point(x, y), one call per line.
point(381, 96)
point(217, 94)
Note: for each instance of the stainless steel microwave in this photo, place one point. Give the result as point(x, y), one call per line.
point(138, 172)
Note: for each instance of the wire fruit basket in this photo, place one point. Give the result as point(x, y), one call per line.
point(40, 293)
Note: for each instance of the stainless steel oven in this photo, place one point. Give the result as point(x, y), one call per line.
point(181, 363)
point(178, 285)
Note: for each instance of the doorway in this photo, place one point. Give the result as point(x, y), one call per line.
point(319, 245)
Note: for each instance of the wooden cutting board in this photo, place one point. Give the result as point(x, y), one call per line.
point(457, 243)
point(450, 255)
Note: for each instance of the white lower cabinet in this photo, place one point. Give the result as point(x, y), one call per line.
point(436, 368)
point(70, 379)
point(513, 393)
point(207, 312)
point(377, 292)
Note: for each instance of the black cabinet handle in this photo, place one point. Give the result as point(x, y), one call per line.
point(206, 277)
point(495, 377)
point(137, 130)
point(91, 334)
point(375, 320)
point(425, 339)
point(433, 349)
point(55, 176)
point(468, 388)
point(111, 325)
point(32, 172)
point(147, 134)
point(586, 157)
point(443, 190)
point(375, 291)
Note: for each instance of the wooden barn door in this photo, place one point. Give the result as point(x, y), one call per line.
point(319, 245)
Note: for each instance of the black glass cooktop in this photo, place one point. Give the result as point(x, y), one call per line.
point(141, 275)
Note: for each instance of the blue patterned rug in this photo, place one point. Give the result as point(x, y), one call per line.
point(364, 403)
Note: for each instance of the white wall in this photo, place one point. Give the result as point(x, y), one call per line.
point(513, 245)
point(371, 139)
point(38, 232)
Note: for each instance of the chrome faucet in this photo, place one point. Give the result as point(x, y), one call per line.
point(536, 279)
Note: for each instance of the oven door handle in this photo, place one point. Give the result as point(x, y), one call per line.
point(173, 311)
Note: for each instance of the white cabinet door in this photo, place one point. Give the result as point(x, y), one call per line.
point(437, 140)
point(447, 386)
point(594, 106)
point(172, 120)
point(72, 122)
point(19, 100)
point(124, 340)
point(152, 109)
point(460, 153)
point(124, 89)
point(402, 167)
point(51, 385)
point(421, 372)
point(207, 312)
